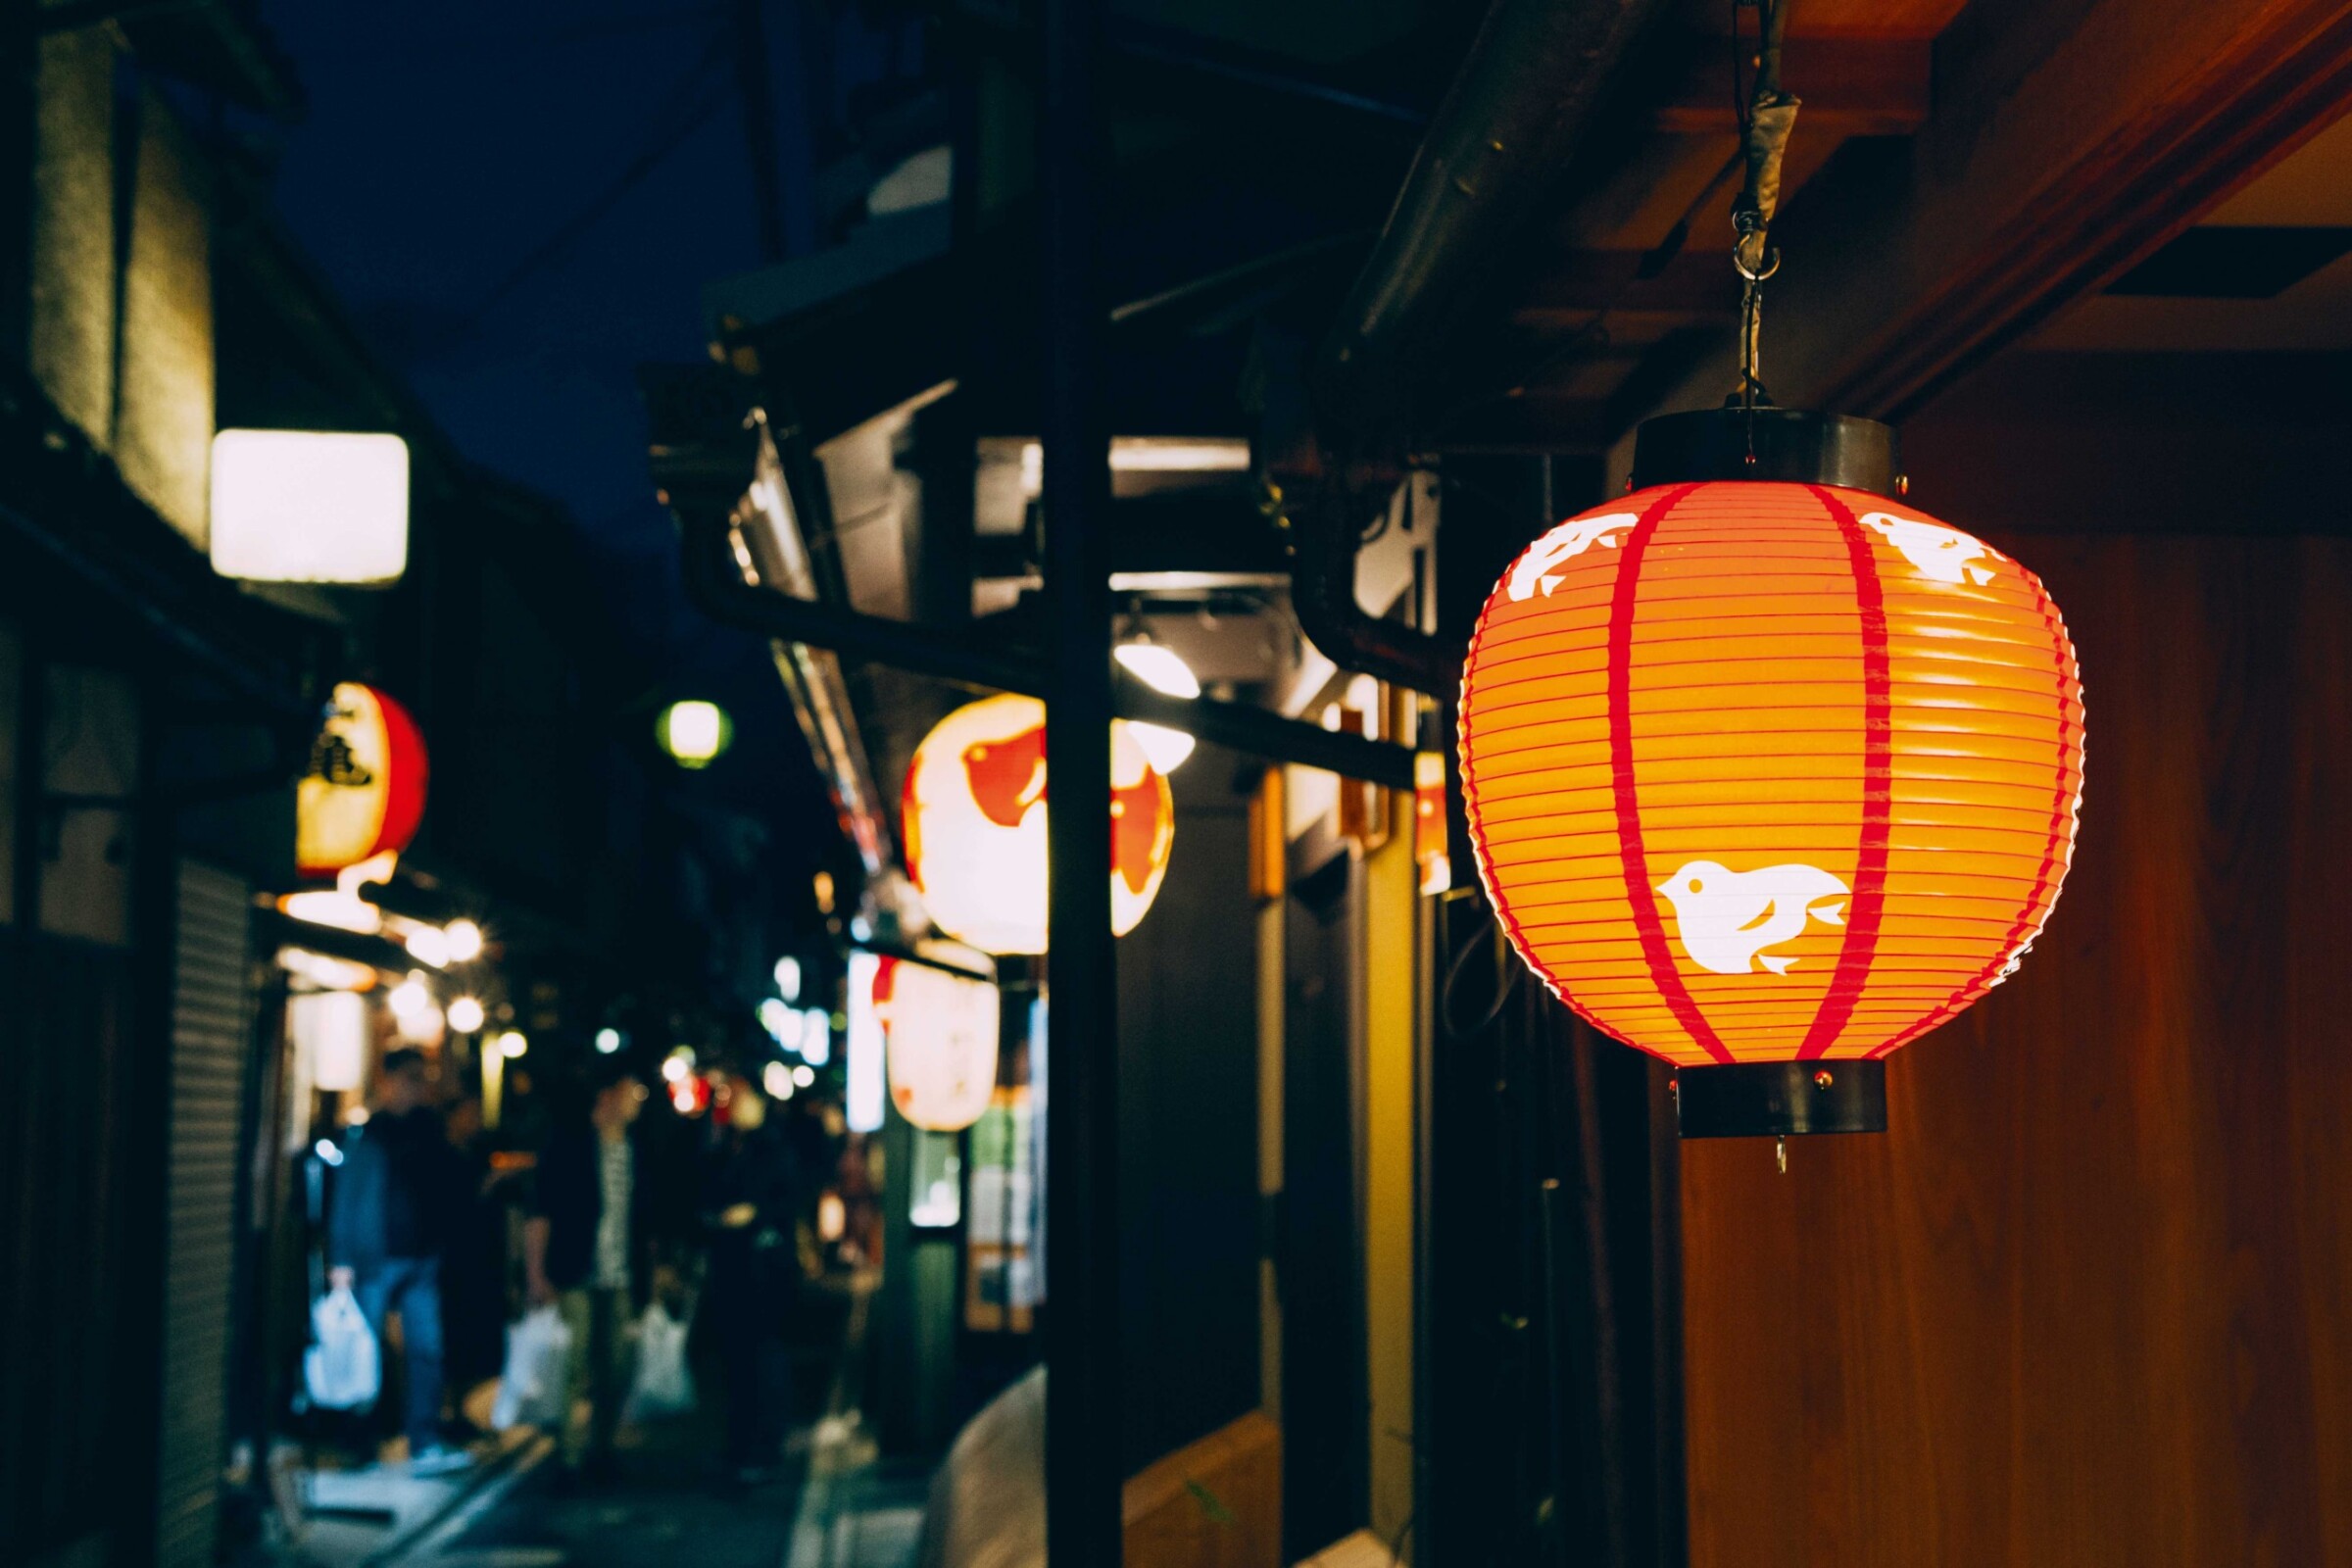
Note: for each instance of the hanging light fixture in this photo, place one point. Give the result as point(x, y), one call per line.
point(974, 817)
point(1165, 671)
point(463, 940)
point(1770, 772)
point(364, 795)
point(695, 733)
point(1768, 777)
point(940, 1033)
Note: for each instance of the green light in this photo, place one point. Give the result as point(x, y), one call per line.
point(695, 733)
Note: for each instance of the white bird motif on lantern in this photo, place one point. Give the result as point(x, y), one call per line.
point(1944, 555)
point(1537, 569)
point(1727, 919)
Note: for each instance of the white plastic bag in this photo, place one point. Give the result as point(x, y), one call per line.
point(341, 1368)
point(663, 1385)
point(533, 1390)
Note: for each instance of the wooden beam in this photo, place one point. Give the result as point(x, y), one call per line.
point(1694, 282)
point(2065, 148)
point(1533, 421)
point(1850, 87)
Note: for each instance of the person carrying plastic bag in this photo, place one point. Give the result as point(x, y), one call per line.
point(342, 1370)
point(663, 1384)
point(534, 1389)
point(580, 1252)
point(396, 1188)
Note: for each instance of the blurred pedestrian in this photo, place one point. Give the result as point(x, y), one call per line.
point(473, 1257)
point(750, 1209)
point(580, 1252)
point(392, 1205)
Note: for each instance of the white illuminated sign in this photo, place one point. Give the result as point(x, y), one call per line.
point(330, 1029)
point(310, 505)
point(862, 1104)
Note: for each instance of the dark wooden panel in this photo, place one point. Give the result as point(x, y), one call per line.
point(1579, 282)
point(2137, 442)
point(2089, 1300)
point(2068, 141)
point(1851, 87)
point(1187, 1131)
point(69, 1380)
point(1326, 1400)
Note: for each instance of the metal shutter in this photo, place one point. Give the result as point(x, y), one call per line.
point(211, 1020)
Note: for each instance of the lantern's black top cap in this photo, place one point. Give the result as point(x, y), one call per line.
point(1790, 445)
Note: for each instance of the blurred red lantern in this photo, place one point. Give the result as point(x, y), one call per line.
point(1763, 774)
point(939, 1033)
point(364, 791)
point(974, 819)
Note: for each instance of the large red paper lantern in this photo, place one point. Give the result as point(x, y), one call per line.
point(1768, 773)
point(364, 791)
point(974, 815)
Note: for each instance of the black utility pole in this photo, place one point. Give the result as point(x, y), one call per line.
point(756, 85)
point(20, 89)
point(1082, 1256)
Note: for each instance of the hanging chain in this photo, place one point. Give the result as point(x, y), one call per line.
point(1766, 118)
point(1752, 328)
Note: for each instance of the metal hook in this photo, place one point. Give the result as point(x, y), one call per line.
point(1771, 265)
point(1780, 1154)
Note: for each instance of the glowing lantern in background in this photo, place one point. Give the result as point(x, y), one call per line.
point(364, 792)
point(939, 1031)
point(1769, 779)
point(695, 733)
point(975, 825)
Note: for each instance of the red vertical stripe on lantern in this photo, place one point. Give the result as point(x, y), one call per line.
point(1639, 894)
point(405, 774)
point(1869, 905)
point(2062, 811)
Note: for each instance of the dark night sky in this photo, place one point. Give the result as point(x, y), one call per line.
point(444, 149)
point(461, 176)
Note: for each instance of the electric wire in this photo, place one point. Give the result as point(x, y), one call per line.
point(1504, 986)
point(677, 117)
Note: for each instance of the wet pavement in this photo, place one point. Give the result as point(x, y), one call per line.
point(831, 1503)
point(665, 1507)
point(354, 1518)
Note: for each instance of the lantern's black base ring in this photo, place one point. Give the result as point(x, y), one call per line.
point(1790, 445)
point(1781, 1099)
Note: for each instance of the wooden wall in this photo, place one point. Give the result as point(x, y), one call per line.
point(2089, 1300)
point(1216, 1502)
point(1187, 1131)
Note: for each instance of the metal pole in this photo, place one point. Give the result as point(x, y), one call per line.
point(1082, 1285)
point(752, 81)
